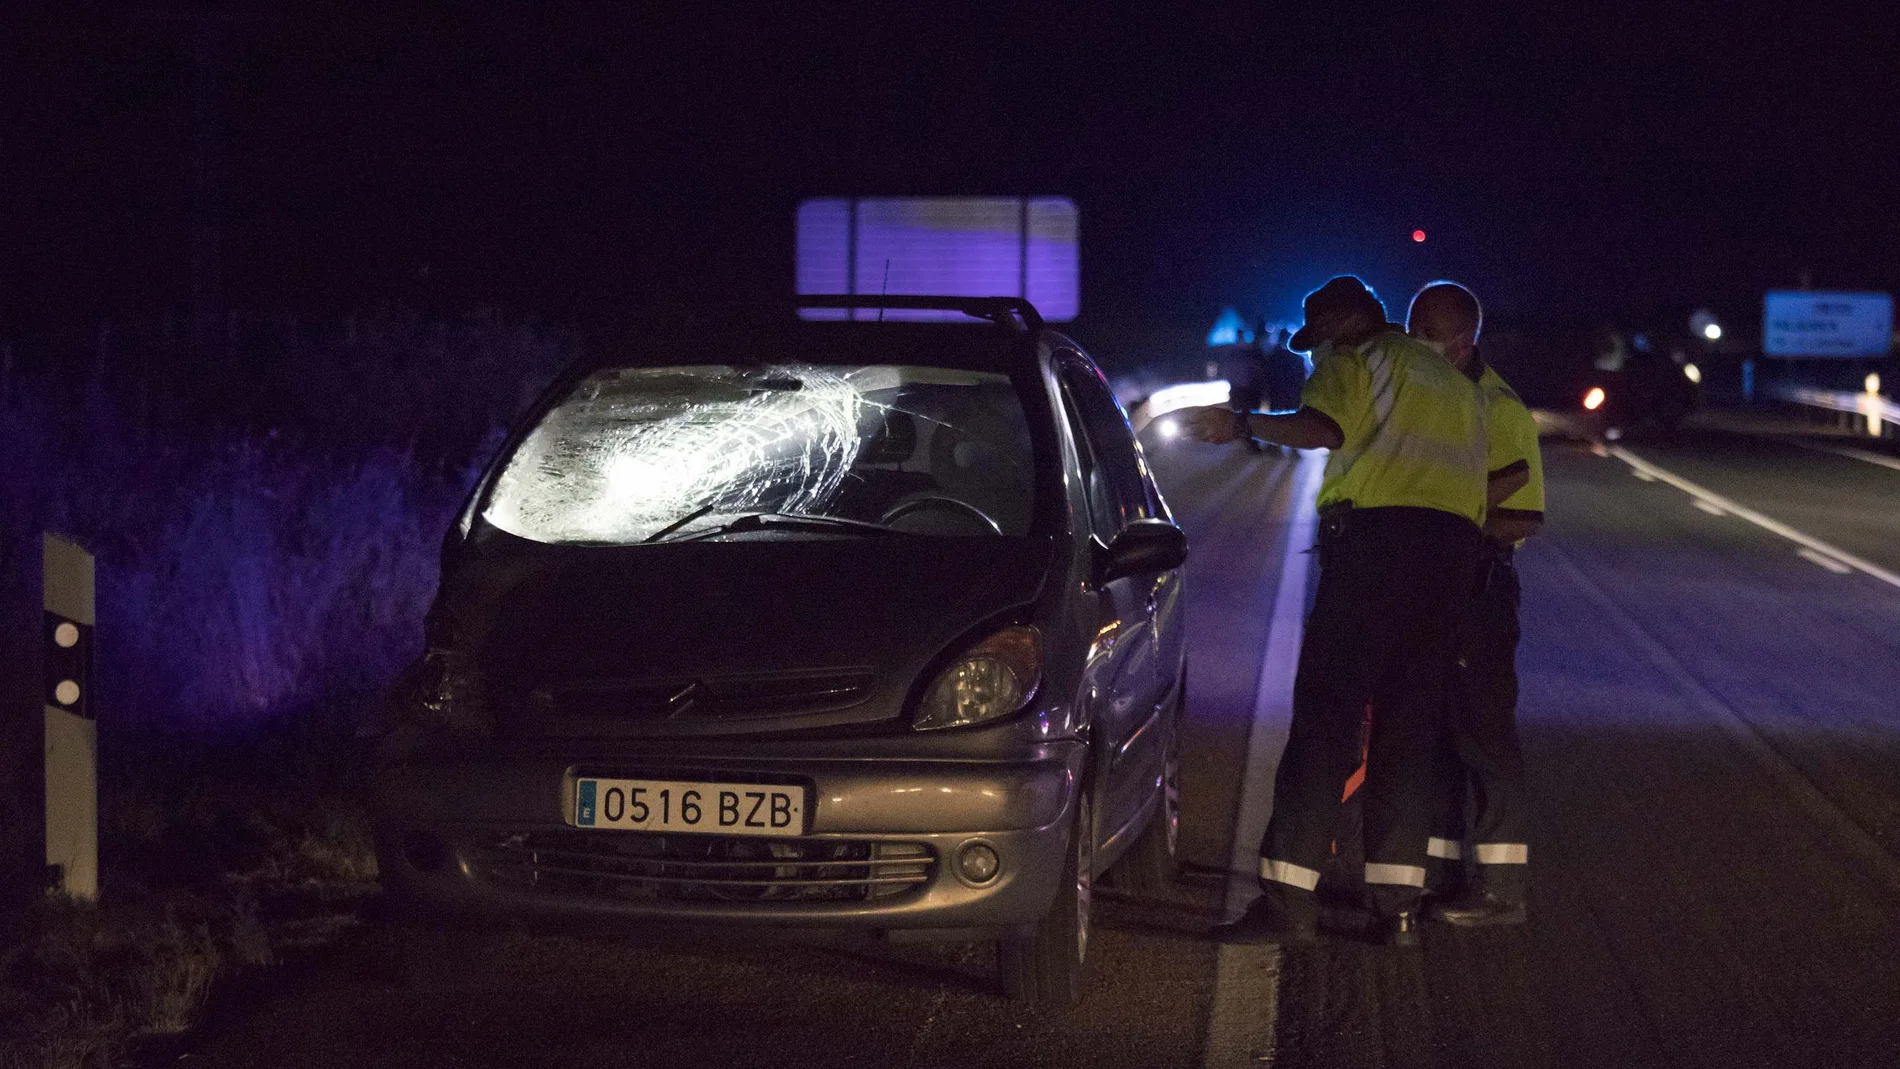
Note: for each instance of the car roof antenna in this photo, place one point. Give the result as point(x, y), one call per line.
point(886, 291)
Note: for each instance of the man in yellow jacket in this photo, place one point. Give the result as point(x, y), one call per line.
point(1483, 754)
point(1401, 503)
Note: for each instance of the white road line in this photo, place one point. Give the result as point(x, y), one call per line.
point(1766, 523)
point(1273, 697)
point(1708, 508)
point(1645, 476)
point(1246, 978)
point(1246, 997)
point(1823, 560)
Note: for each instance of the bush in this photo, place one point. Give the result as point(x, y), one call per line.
point(267, 546)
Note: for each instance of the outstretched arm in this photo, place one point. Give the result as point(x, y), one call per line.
point(1308, 428)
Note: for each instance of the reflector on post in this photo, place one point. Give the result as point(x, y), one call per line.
point(72, 738)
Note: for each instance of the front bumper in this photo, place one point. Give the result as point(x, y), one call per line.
point(439, 820)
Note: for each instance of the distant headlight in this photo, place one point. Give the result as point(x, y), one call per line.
point(1594, 399)
point(1692, 373)
point(994, 678)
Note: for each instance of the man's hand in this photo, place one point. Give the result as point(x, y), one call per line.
point(1510, 530)
point(1210, 423)
point(1306, 429)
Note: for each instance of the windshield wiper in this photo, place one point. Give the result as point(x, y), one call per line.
point(677, 524)
point(764, 521)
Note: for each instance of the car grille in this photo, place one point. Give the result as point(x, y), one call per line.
point(705, 868)
point(730, 697)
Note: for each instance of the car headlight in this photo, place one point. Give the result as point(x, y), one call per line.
point(994, 678)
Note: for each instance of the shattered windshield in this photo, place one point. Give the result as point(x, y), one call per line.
point(658, 454)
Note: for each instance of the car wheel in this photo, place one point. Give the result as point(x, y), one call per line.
point(1043, 967)
point(1148, 869)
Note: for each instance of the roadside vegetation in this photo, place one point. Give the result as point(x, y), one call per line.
point(266, 531)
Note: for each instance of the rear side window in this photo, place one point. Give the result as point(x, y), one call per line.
point(1112, 466)
point(642, 454)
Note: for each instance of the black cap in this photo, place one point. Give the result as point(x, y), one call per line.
point(1339, 302)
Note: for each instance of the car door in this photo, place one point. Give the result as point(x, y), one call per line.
point(1125, 680)
point(1169, 628)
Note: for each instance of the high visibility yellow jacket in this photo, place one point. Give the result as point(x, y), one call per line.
point(1511, 443)
point(1413, 427)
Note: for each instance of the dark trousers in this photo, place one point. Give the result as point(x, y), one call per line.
point(1481, 755)
point(1393, 585)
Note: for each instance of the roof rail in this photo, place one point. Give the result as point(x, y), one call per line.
point(1003, 311)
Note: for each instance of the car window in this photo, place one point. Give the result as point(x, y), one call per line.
point(1112, 471)
point(633, 454)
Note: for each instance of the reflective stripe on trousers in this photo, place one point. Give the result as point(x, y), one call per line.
point(1288, 873)
point(1308, 879)
point(1487, 853)
point(1395, 875)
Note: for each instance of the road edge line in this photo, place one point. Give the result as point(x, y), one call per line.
point(1766, 523)
point(1823, 560)
point(1246, 978)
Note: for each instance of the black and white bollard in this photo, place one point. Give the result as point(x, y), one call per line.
point(72, 736)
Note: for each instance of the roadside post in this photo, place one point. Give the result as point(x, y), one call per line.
point(72, 735)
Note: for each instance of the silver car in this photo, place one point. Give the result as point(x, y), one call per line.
point(816, 621)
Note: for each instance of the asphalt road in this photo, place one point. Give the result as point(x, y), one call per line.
point(1713, 726)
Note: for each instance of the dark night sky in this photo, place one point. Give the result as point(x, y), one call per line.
point(573, 164)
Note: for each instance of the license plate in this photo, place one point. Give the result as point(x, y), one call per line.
point(673, 805)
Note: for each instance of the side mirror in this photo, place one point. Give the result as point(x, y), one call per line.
point(1142, 548)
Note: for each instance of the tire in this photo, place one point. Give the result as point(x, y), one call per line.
point(1148, 869)
point(1044, 967)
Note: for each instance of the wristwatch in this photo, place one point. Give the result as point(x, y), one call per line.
point(1243, 427)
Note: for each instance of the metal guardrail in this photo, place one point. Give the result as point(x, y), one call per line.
point(1872, 412)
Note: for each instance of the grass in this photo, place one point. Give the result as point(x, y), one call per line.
point(220, 857)
point(266, 526)
point(83, 977)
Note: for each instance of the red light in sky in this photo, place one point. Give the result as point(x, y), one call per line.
point(1418, 235)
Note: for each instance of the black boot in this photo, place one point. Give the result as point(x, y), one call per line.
point(1268, 920)
point(1479, 908)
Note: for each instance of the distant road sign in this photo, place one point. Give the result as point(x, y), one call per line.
point(1809, 323)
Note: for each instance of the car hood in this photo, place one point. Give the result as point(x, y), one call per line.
point(696, 638)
